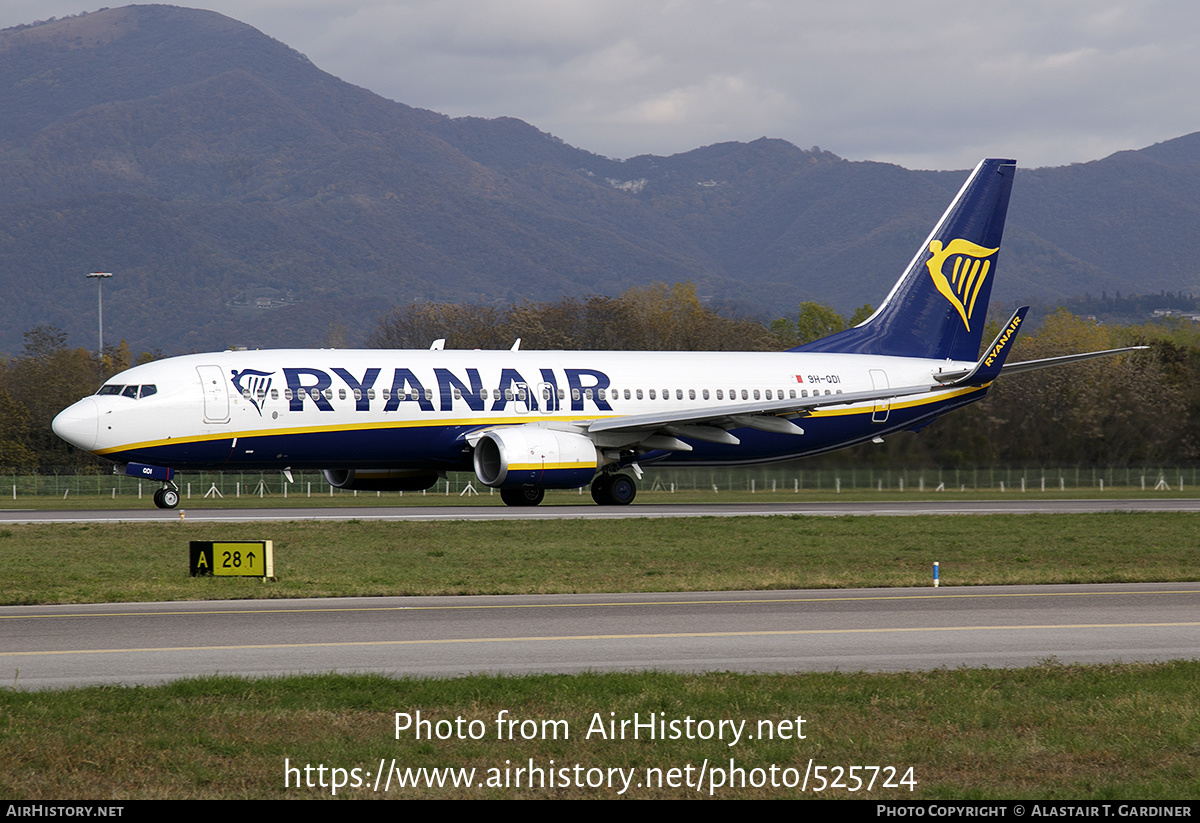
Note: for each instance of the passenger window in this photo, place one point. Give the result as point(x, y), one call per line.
point(639, 394)
point(600, 394)
point(792, 394)
point(804, 392)
point(246, 393)
point(370, 394)
point(341, 394)
point(562, 394)
point(768, 394)
point(720, 394)
point(358, 394)
point(274, 394)
point(706, 394)
point(653, 396)
point(429, 394)
point(587, 394)
point(574, 394)
point(287, 394)
point(756, 394)
point(386, 394)
point(745, 395)
point(691, 394)
point(627, 394)
point(457, 393)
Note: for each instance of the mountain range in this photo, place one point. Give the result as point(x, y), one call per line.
point(242, 196)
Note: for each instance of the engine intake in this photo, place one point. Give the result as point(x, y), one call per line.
point(534, 456)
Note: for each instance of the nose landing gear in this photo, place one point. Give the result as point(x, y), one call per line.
point(168, 496)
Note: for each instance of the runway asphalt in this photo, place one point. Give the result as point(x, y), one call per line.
point(1016, 505)
point(790, 631)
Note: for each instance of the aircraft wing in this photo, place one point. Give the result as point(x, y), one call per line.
point(711, 423)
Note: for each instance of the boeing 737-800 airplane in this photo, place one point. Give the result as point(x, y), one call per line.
point(526, 421)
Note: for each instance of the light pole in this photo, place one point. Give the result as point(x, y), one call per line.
point(100, 275)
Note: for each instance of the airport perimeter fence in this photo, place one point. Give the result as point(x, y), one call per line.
point(758, 480)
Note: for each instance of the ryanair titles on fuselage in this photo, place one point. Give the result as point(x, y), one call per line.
point(568, 389)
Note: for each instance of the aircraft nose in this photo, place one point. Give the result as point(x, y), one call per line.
point(79, 424)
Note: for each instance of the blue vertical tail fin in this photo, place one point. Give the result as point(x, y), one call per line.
point(938, 307)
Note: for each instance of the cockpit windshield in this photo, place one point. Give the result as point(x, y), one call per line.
point(129, 391)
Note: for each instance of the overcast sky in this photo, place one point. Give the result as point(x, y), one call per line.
point(923, 83)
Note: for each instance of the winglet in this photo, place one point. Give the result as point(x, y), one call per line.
point(989, 366)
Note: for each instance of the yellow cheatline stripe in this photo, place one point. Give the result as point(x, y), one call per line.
point(350, 427)
point(476, 422)
point(607, 604)
point(653, 636)
point(894, 404)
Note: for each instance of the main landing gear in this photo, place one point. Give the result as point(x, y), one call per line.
point(607, 490)
point(167, 497)
point(613, 490)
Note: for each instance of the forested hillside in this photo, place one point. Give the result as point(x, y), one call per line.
point(242, 196)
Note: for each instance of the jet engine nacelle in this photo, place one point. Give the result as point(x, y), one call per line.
point(534, 456)
point(380, 480)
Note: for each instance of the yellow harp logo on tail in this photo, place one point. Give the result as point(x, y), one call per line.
point(970, 269)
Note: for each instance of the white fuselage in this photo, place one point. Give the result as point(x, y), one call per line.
point(408, 408)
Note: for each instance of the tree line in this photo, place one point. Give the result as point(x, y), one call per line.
point(43, 380)
point(1137, 409)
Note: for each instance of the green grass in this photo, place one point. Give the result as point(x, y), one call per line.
point(75, 563)
point(1050, 732)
